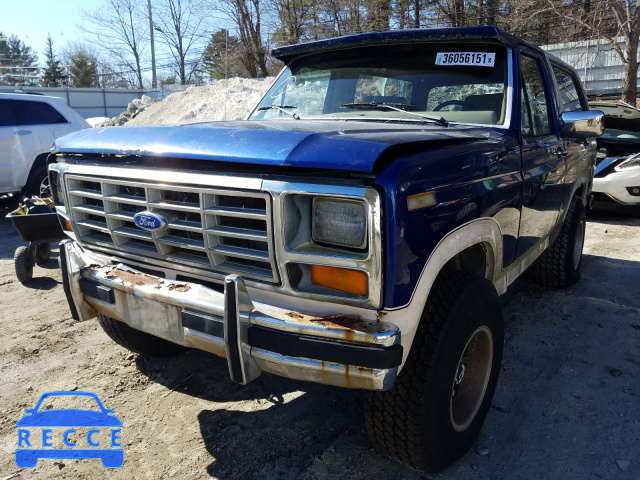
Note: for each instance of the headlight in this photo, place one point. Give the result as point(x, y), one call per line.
point(628, 164)
point(339, 222)
point(55, 184)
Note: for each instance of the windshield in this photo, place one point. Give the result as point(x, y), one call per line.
point(452, 82)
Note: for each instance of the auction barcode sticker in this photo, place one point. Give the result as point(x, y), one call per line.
point(480, 59)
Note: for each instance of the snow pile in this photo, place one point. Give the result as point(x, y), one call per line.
point(96, 121)
point(223, 100)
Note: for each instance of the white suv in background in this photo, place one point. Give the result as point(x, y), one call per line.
point(29, 124)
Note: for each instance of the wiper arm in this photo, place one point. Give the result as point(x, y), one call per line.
point(281, 108)
point(398, 107)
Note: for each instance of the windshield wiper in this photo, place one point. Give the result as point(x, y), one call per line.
point(281, 108)
point(398, 107)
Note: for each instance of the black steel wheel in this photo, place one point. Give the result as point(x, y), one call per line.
point(433, 414)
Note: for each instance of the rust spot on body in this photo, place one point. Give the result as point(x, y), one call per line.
point(135, 278)
point(179, 287)
point(347, 378)
point(352, 323)
point(295, 315)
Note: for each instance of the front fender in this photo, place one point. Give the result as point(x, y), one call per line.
point(482, 231)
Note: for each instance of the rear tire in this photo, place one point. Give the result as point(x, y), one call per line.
point(434, 412)
point(136, 340)
point(561, 264)
point(37, 183)
point(23, 263)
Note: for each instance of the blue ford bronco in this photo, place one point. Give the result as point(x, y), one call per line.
point(357, 229)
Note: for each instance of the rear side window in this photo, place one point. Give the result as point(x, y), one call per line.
point(570, 100)
point(36, 113)
point(7, 118)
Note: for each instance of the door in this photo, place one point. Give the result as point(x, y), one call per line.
point(579, 153)
point(18, 147)
point(543, 160)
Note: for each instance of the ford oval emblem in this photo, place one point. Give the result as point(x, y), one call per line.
point(150, 221)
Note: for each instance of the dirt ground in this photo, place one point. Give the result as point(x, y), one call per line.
point(566, 406)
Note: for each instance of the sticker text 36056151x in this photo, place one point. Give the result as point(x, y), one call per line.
point(480, 59)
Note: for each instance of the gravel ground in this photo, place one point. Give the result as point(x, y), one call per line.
point(566, 405)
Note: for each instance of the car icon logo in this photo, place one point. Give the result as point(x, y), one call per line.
point(150, 221)
point(69, 433)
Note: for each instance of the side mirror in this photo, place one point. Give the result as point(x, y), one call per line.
point(581, 125)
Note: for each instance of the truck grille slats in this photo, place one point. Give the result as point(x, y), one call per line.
point(224, 231)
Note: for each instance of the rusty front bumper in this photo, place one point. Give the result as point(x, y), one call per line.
point(254, 337)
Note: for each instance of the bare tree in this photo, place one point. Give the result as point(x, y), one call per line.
point(247, 15)
point(182, 29)
point(614, 22)
point(293, 16)
point(119, 26)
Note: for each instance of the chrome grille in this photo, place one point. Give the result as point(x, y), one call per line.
point(221, 231)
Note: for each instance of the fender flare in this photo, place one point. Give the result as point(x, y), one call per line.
point(482, 231)
point(32, 164)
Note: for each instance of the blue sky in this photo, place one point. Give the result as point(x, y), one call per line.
point(30, 20)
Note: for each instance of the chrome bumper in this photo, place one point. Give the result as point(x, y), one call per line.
point(338, 350)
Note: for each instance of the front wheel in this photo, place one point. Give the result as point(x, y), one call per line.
point(136, 340)
point(23, 263)
point(433, 414)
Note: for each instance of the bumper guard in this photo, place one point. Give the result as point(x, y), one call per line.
point(340, 350)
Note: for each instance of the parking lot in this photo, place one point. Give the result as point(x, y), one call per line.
point(566, 406)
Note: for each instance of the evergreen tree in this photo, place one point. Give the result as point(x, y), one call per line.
point(18, 63)
point(84, 70)
point(216, 53)
point(53, 73)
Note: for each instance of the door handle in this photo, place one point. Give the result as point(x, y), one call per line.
point(561, 151)
point(23, 132)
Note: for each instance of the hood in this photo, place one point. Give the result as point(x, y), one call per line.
point(621, 129)
point(339, 145)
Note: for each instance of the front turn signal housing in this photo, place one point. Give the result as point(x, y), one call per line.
point(343, 279)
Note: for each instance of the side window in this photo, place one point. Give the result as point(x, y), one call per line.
point(535, 96)
point(7, 118)
point(525, 115)
point(570, 100)
point(36, 113)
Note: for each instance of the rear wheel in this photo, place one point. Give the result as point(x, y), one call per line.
point(561, 264)
point(137, 341)
point(37, 183)
point(433, 414)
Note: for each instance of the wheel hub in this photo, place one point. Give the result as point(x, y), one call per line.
point(471, 378)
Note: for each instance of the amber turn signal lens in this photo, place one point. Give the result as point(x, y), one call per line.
point(351, 281)
point(67, 224)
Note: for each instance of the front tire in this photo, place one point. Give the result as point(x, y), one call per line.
point(23, 263)
point(136, 340)
point(433, 414)
point(560, 265)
